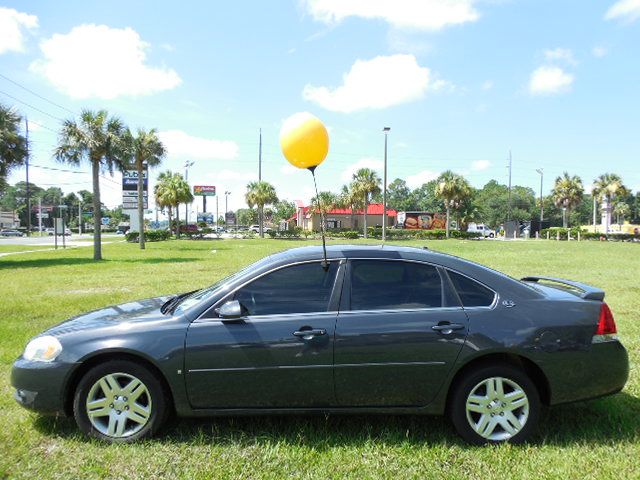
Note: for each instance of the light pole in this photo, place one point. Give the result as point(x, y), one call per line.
point(594, 194)
point(540, 171)
point(226, 207)
point(384, 190)
point(564, 217)
point(187, 164)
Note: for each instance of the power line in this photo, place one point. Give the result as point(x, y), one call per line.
point(31, 106)
point(38, 95)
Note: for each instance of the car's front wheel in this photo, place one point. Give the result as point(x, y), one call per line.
point(495, 404)
point(120, 401)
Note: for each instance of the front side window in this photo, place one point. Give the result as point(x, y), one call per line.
point(471, 293)
point(394, 285)
point(300, 288)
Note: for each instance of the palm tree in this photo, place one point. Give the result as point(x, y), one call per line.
point(567, 193)
point(453, 190)
point(324, 203)
point(348, 198)
point(365, 183)
point(96, 138)
point(143, 149)
point(260, 194)
point(606, 188)
point(13, 145)
point(170, 191)
point(621, 210)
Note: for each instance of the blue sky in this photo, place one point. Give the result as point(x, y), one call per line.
point(460, 83)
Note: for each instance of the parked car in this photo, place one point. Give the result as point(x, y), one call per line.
point(50, 231)
point(255, 228)
point(482, 229)
point(11, 233)
point(373, 330)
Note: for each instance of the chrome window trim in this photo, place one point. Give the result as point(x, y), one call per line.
point(225, 298)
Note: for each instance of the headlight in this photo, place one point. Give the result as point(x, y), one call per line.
point(43, 349)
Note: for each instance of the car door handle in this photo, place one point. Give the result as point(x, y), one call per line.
point(310, 333)
point(447, 328)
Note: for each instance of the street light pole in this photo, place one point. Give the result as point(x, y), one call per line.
point(226, 207)
point(540, 171)
point(384, 191)
point(187, 164)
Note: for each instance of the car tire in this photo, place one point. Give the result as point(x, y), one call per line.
point(511, 416)
point(116, 418)
point(491, 235)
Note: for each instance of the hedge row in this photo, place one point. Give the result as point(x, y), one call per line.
point(149, 236)
point(555, 232)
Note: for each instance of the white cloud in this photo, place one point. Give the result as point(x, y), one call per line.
point(429, 15)
point(12, 27)
point(547, 80)
point(372, 163)
point(626, 10)
point(377, 83)
point(420, 178)
point(479, 165)
point(288, 169)
point(599, 51)
point(103, 62)
point(181, 144)
point(487, 85)
point(560, 54)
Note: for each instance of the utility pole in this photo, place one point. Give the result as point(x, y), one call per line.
point(40, 215)
point(259, 158)
point(187, 164)
point(216, 222)
point(79, 218)
point(226, 207)
point(509, 200)
point(26, 128)
point(384, 194)
point(541, 172)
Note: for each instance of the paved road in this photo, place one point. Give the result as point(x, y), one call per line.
point(50, 241)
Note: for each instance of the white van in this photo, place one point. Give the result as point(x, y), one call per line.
point(481, 228)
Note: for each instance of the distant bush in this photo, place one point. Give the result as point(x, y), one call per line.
point(149, 236)
point(438, 234)
point(293, 232)
point(559, 232)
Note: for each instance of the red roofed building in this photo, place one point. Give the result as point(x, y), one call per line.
point(342, 217)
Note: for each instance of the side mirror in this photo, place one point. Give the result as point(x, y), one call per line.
point(231, 310)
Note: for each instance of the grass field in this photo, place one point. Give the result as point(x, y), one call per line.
point(597, 439)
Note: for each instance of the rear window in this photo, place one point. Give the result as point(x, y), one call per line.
point(471, 293)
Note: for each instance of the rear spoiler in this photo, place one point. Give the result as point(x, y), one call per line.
point(588, 292)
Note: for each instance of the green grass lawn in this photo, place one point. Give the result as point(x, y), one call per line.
point(597, 439)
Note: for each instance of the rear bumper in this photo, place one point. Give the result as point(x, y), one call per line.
point(39, 386)
point(604, 370)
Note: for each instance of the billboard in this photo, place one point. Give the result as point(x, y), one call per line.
point(421, 220)
point(205, 217)
point(204, 190)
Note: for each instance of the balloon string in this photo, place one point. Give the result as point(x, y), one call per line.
point(325, 263)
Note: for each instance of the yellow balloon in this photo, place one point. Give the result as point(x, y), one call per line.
point(304, 140)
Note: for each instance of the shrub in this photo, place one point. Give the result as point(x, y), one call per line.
point(149, 236)
point(584, 235)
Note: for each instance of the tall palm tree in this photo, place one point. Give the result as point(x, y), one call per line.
point(607, 187)
point(324, 203)
point(366, 183)
point(348, 198)
point(260, 194)
point(567, 193)
point(170, 191)
point(145, 148)
point(13, 145)
point(453, 190)
point(98, 139)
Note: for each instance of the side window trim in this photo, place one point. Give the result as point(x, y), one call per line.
point(455, 291)
point(209, 314)
point(446, 289)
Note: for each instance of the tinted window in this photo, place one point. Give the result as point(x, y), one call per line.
point(298, 289)
point(472, 294)
point(382, 285)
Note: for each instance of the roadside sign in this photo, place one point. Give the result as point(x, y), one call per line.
point(204, 190)
point(105, 220)
point(130, 180)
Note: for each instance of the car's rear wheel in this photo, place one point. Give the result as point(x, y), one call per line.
point(495, 404)
point(120, 401)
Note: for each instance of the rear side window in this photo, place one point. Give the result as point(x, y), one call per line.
point(394, 285)
point(300, 288)
point(471, 293)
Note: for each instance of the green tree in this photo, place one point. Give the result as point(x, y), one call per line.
point(96, 138)
point(283, 210)
point(170, 191)
point(324, 203)
point(260, 194)
point(425, 199)
point(15, 199)
point(567, 193)
point(621, 210)
point(145, 148)
point(13, 145)
point(365, 183)
point(350, 199)
point(453, 189)
point(399, 196)
point(246, 216)
point(608, 187)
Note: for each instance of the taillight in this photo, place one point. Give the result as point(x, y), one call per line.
point(606, 329)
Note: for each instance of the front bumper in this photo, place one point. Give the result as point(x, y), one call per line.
point(40, 386)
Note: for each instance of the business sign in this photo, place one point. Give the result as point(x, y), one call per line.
point(230, 218)
point(105, 220)
point(130, 180)
point(204, 190)
point(205, 217)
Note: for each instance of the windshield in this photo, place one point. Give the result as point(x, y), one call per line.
point(201, 295)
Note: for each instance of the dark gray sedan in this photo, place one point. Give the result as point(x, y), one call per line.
point(376, 330)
